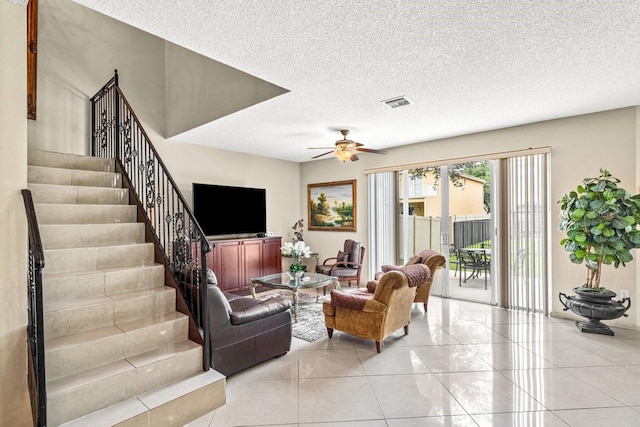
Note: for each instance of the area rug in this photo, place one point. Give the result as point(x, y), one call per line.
point(310, 324)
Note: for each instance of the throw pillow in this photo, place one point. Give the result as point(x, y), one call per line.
point(389, 267)
point(342, 256)
point(414, 260)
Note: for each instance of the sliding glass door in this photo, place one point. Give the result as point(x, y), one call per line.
point(496, 247)
point(448, 209)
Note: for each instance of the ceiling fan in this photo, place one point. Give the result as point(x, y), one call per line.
point(346, 149)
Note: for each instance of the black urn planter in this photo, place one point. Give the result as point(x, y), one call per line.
point(595, 307)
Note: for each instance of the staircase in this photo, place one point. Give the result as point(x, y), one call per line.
point(116, 349)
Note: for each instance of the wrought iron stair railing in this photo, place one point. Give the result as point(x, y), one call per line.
point(35, 326)
point(117, 133)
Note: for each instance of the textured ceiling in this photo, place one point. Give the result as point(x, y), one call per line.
point(467, 66)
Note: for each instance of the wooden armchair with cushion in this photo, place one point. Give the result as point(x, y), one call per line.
point(347, 265)
point(378, 314)
point(432, 259)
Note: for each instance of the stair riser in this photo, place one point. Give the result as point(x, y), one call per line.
point(134, 279)
point(125, 256)
point(78, 319)
point(45, 193)
point(84, 214)
point(64, 407)
point(56, 290)
point(155, 336)
point(89, 354)
point(82, 259)
point(95, 315)
point(145, 306)
point(188, 407)
point(69, 161)
point(57, 176)
point(168, 370)
point(205, 391)
point(82, 236)
point(61, 289)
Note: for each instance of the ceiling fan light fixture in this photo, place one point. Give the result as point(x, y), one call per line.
point(343, 154)
point(346, 149)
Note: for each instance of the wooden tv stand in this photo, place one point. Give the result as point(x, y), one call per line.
point(236, 261)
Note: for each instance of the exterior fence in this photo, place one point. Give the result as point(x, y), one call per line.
point(464, 231)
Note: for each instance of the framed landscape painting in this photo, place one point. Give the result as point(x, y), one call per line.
point(332, 206)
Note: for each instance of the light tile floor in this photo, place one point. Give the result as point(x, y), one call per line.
point(462, 364)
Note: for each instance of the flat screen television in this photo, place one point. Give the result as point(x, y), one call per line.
point(226, 210)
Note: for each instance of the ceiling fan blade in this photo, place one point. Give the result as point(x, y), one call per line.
point(320, 148)
point(353, 157)
point(323, 154)
point(370, 150)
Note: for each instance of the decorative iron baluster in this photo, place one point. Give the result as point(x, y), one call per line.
point(116, 131)
point(125, 129)
point(35, 327)
point(150, 182)
point(102, 132)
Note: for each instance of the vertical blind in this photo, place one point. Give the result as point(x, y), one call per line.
point(525, 208)
point(382, 212)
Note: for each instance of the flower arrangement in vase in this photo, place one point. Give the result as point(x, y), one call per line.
point(296, 251)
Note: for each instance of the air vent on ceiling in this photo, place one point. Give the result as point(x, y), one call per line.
point(399, 101)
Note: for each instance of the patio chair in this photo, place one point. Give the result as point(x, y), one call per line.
point(475, 260)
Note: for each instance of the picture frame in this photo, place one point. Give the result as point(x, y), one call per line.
point(331, 206)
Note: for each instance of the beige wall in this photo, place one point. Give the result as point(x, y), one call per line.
point(466, 199)
point(190, 163)
point(79, 49)
point(580, 146)
point(14, 400)
point(207, 90)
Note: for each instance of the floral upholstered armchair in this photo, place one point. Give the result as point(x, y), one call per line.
point(378, 314)
point(432, 259)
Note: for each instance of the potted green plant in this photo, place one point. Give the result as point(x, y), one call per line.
point(601, 221)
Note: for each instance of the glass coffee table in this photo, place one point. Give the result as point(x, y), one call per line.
point(283, 281)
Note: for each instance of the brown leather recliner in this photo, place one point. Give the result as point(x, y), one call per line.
point(243, 331)
point(376, 315)
point(432, 259)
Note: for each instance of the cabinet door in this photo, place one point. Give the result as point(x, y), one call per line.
point(228, 265)
point(271, 256)
point(252, 261)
